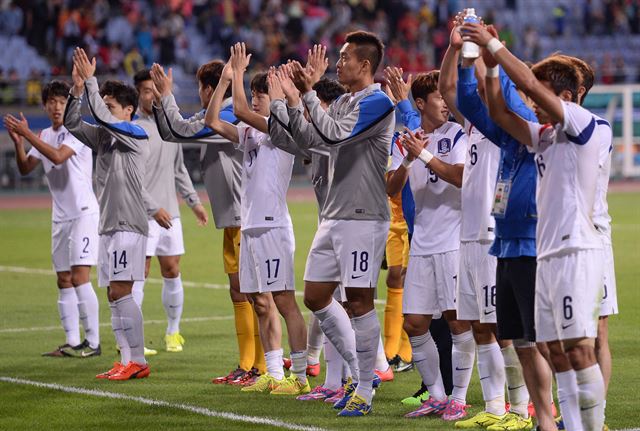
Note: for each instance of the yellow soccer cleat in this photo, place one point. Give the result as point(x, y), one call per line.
point(512, 422)
point(481, 420)
point(174, 342)
point(292, 386)
point(150, 352)
point(265, 383)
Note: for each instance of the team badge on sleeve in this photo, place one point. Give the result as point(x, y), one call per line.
point(444, 146)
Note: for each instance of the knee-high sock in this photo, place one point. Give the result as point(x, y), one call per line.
point(133, 327)
point(243, 315)
point(381, 359)
point(392, 322)
point(336, 326)
point(427, 361)
point(138, 292)
point(69, 315)
point(259, 358)
point(492, 377)
point(591, 397)
point(89, 313)
point(333, 362)
point(568, 400)
point(173, 300)
point(516, 387)
point(274, 364)
point(405, 347)
point(299, 365)
point(462, 357)
point(367, 332)
point(118, 332)
point(315, 339)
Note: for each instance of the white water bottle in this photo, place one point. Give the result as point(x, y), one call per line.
point(470, 49)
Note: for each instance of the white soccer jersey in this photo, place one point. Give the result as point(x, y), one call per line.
point(478, 185)
point(438, 209)
point(601, 217)
point(70, 182)
point(567, 161)
point(266, 174)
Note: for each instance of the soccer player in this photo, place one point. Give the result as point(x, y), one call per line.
point(221, 166)
point(348, 246)
point(165, 172)
point(515, 213)
point(120, 167)
point(570, 257)
point(68, 166)
point(267, 244)
point(433, 262)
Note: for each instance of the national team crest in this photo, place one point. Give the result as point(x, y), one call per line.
point(444, 146)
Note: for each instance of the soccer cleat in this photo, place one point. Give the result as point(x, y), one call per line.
point(377, 381)
point(150, 352)
point(131, 371)
point(454, 411)
point(481, 420)
point(385, 376)
point(232, 376)
point(318, 393)
point(174, 342)
point(292, 386)
point(431, 407)
point(117, 366)
point(348, 388)
point(559, 423)
point(246, 379)
point(357, 406)
point(418, 398)
point(313, 370)
point(337, 397)
point(532, 409)
point(265, 383)
point(512, 422)
point(403, 366)
point(286, 363)
point(84, 350)
point(64, 351)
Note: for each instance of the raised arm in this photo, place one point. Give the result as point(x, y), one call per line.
point(449, 73)
point(212, 117)
point(88, 134)
point(26, 164)
point(239, 62)
point(279, 128)
point(400, 90)
point(21, 127)
point(510, 122)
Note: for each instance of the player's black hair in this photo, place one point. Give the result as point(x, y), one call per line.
point(140, 77)
point(259, 83)
point(368, 47)
point(55, 88)
point(425, 84)
point(561, 73)
point(587, 75)
point(124, 94)
point(209, 75)
point(328, 90)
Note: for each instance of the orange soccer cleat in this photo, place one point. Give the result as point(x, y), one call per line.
point(132, 370)
point(117, 367)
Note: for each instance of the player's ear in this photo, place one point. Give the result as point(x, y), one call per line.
point(420, 103)
point(568, 96)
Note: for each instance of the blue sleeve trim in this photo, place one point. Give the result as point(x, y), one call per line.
point(408, 206)
point(602, 122)
point(457, 138)
point(372, 109)
point(226, 114)
point(125, 128)
point(585, 135)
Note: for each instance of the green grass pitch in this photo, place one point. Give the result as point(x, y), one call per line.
point(29, 326)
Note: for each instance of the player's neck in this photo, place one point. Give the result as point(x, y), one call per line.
point(360, 85)
point(56, 126)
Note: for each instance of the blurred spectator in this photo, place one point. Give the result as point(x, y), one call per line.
point(11, 18)
point(34, 88)
point(133, 62)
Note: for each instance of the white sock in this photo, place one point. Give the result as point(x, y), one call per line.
point(118, 332)
point(69, 315)
point(315, 339)
point(173, 299)
point(492, 377)
point(131, 316)
point(568, 400)
point(381, 358)
point(591, 397)
point(333, 362)
point(336, 326)
point(138, 292)
point(299, 365)
point(516, 386)
point(274, 363)
point(367, 333)
point(89, 313)
point(427, 361)
point(462, 356)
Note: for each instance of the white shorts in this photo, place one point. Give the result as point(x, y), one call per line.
point(266, 260)
point(74, 242)
point(568, 293)
point(348, 252)
point(476, 291)
point(430, 284)
point(609, 302)
point(165, 242)
point(121, 257)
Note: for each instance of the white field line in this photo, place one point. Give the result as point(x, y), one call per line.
point(159, 403)
point(41, 271)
